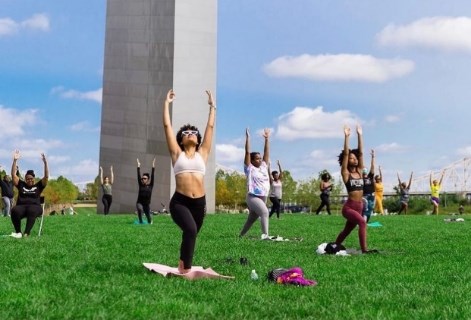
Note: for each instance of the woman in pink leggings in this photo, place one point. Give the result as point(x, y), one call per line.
point(351, 162)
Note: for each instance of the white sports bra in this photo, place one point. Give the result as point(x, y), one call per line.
point(184, 164)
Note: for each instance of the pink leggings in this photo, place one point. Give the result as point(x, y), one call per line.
point(352, 212)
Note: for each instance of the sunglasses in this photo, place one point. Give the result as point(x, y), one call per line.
point(188, 132)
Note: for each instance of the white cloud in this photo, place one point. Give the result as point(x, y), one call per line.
point(8, 27)
point(15, 121)
point(38, 21)
point(95, 95)
point(442, 33)
point(312, 123)
point(393, 118)
point(340, 67)
point(393, 147)
point(84, 126)
point(465, 152)
point(227, 153)
point(88, 168)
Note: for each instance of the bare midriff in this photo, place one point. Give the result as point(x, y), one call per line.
point(190, 184)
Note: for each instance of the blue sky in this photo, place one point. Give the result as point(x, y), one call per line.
point(302, 68)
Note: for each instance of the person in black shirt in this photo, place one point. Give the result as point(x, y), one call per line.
point(28, 204)
point(146, 183)
point(369, 188)
point(7, 194)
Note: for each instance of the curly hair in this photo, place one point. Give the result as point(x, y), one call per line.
point(180, 136)
point(325, 176)
point(356, 152)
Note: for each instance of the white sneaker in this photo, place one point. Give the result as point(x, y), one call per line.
point(265, 236)
point(16, 235)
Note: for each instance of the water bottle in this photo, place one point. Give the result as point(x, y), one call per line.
point(254, 275)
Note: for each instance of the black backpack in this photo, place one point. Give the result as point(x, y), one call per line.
point(333, 248)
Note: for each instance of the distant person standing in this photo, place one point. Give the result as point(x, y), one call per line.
point(369, 188)
point(435, 187)
point(379, 193)
point(107, 188)
point(404, 190)
point(325, 187)
point(6, 184)
point(258, 184)
point(276, 192)
point(146, 183)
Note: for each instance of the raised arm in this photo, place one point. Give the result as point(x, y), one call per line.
point(266, 148)
point(101, 175)
point(14, 176)
point(280, 174)
point(139, 181)
point(380, 173)
point(45, 178)
point(151, 182)
point(399, 180)
point(372, 165)
point(360, 147)
point(344, 169)
point(247, 147)
point(441, 178)
point(205, 147)
point(410, 180)
point(431, 178)
point(172, 144)
point(112, 175)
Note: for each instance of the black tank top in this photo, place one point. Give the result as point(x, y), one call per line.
point(354, 184)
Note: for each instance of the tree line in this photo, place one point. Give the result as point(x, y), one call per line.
point(231, 190)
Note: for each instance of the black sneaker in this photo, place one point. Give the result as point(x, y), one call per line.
point(371, 251)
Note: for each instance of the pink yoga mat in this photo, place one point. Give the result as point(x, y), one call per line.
point(195, 273)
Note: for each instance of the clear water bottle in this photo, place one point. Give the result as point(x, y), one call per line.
point(254, 275)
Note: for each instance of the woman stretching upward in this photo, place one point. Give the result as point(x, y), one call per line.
point(379, 192)
point(258, 184)
point(404, 190)
point(189, 157)
point(351, 162)
point(106, 186)
point(276, 192)
point(28, 204)
point(146, 184)
point(435, 186)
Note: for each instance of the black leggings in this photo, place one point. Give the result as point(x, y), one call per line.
point(106, 199)
point(275, 207)
point(143, 207)
point(28, 211)
point(325, 201)
point(188, 214)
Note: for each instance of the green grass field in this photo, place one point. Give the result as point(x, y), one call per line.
point(90, 267)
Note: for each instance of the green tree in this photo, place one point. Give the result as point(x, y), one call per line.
point(60, 190)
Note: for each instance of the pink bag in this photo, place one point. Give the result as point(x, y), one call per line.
point(294, 276)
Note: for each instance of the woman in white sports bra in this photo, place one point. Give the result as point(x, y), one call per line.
point(189, 155)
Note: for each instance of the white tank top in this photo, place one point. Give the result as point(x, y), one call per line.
point(184, 164)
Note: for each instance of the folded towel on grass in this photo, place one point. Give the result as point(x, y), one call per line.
point(195, 273)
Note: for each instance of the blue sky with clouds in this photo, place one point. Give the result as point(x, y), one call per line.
point(302, 68)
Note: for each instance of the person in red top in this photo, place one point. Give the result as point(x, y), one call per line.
point(28, 204)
